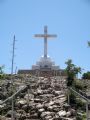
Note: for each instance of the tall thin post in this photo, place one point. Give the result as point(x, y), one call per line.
point(13, 54)
point(45, 42)
point(12, 66)
point(87, 110)
point(68, 96)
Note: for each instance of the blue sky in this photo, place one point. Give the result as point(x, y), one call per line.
point(69, 19)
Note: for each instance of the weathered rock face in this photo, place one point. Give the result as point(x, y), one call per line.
point(44, 100)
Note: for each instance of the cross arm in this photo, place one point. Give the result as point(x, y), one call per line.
point(45, 35)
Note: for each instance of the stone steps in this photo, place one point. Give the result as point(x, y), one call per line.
point(44, 101)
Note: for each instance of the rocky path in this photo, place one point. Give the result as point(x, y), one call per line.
point(45, 99)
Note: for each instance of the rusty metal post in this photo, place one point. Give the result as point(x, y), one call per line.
point(87, 110)
point(68, 93)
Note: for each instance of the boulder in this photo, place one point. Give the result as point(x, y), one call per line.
point(62, 113)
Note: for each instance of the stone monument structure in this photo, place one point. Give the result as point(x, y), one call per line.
point(45, 66)
point(45, 63)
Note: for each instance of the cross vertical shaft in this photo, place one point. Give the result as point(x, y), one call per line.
point(45, 36)
point(45, 42)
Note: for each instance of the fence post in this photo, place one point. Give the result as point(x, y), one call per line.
point(68, 93)
point(12, 116)
point(87, 110)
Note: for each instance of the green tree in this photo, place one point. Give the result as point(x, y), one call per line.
point(89, 43)
point(72, 71)
point(86, 75)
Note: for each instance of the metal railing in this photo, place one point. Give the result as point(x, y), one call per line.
point(83, 97)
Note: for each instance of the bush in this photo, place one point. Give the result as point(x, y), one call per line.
point(86, 75)
point(1, 76)
point(80, 104)
point(72, 98)
point(79, 85)
point(81, 116)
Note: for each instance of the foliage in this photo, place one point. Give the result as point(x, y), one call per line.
point(80, 104)
point(79, 85)
point(5, 76)
point(89, 43)
point(86, 75)
point(72, 98)
point(81, 116)
point(1, 76)
point(71, 70)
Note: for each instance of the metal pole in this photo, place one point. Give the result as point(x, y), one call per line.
point(68, 97)
point(12, 76)
point(87, 110)
point(28, 90)
point(12, 108)
point(28, 96)
point(13, 55)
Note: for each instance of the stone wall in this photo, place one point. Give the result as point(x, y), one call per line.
point(43, 73)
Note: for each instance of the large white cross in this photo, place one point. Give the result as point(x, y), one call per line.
point(45, 36)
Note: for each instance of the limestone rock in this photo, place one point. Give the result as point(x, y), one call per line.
point(62, 113)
